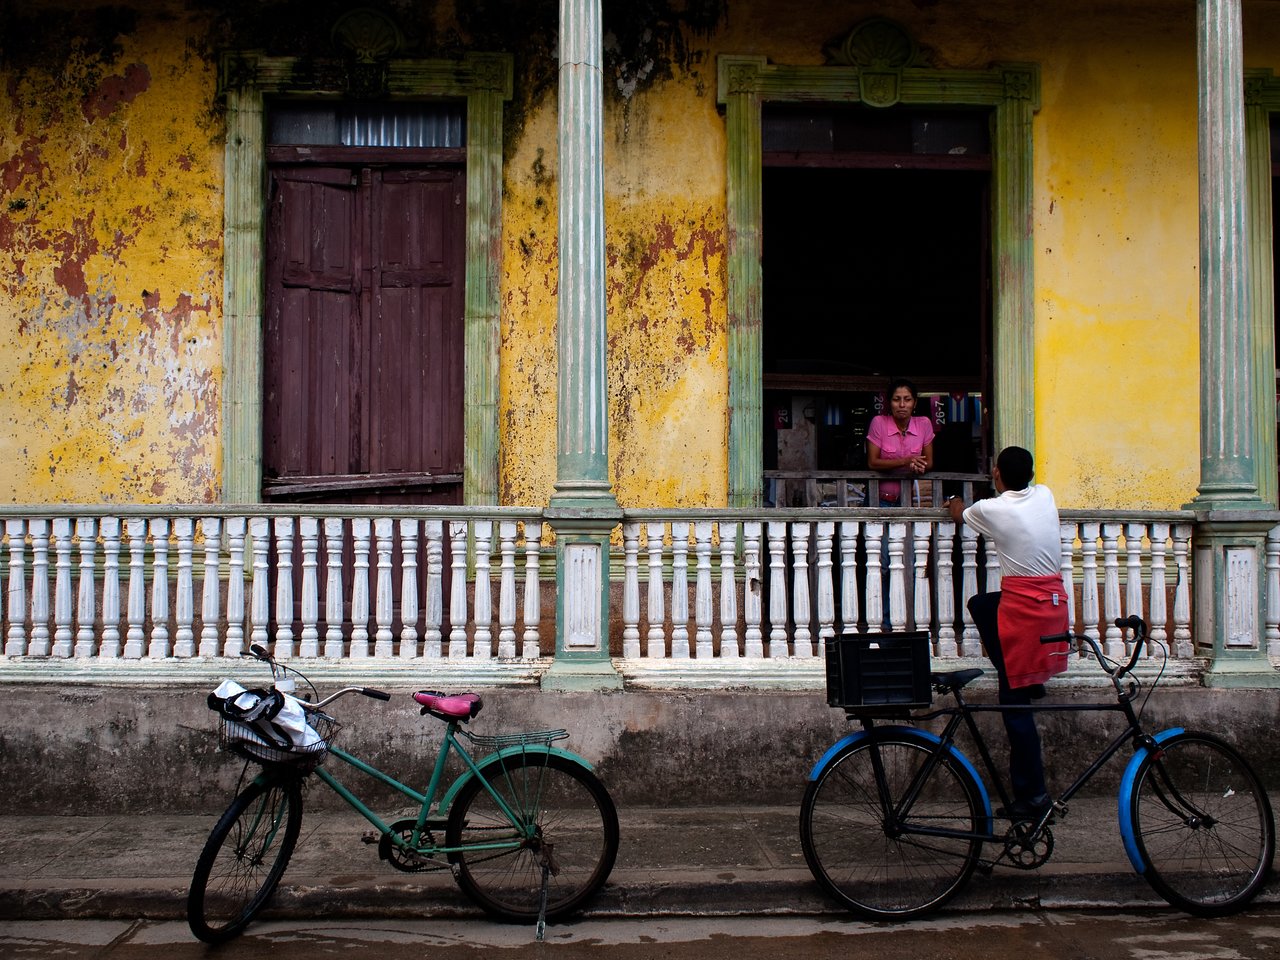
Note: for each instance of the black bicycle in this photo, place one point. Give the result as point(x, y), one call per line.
point(895, 818)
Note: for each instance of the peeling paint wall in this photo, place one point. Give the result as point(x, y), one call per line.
point(110, 268)
point(111, 232)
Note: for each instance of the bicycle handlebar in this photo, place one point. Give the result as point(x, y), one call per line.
point(1132, 622)
point(260, 652)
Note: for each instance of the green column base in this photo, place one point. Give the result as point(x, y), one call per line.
point(582, 675)
point(1252, 670)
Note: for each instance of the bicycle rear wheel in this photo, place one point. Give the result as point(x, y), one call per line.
point(574, 837)
point(881, 873)
point(1202, 825)
point(244, 858)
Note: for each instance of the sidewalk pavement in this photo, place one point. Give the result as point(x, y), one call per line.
point(680, 861)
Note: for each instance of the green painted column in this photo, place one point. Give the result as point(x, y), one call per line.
point(1230, 542)
point(583, 510)
point(242, 299)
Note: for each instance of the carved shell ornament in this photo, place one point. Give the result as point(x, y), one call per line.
point(369, 35)
point(880, 49)
point(878, 45)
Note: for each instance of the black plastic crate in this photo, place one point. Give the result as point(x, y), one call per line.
point(879, 670)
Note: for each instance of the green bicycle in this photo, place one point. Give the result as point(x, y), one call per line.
point(528, 830)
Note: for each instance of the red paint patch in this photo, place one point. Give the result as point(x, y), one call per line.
point(114, 92)
point(24, 163)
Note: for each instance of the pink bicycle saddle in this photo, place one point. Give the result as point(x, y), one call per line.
point(449, 706)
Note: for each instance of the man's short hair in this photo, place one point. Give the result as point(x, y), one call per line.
point(1016, 468)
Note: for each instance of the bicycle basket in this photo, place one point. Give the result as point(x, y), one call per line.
point(879, 670)
point(244, 741)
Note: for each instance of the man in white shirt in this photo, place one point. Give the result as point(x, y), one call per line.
point(1022, 522)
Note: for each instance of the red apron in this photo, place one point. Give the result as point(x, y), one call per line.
point(1031, 608)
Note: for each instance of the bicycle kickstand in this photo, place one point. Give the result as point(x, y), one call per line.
point(542, 903)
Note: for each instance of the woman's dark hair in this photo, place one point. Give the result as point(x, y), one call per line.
point(897, 382)
point(1016, 468)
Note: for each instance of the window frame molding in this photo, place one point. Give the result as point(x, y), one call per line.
point(1261, 100)
point(247, 79)
point(1012, 92)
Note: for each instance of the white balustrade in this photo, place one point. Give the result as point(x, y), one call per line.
point(763, 587)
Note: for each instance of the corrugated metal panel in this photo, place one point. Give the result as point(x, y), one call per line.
point(429, 124)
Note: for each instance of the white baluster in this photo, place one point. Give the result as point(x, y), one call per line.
point(361, 528)
point(1113, 643)
point(1066, 563)
point(433, 602)
point(752, 591)
point(87, 606)
point(631, 590)
point(728, 590)
point(531, 648)
point(383, 532)
point(137, 607)
point(1133, 606)
point(944, 578)
point(802, 634)
point(40, 644)
point(1159, 587)
point(777, 535)
point(62, 602)
point(210, 598)
point(679, 590)
point(1273, 592)
point(483, 636)
point(970, 639)
point(826, 586)
point(991, 566)
point(309, 639)
point(458, 589)
point(703, 605)
point(158, 645)
point(408, 587)
point(849, 575)
point(184, 530)
point(897, 576)
point(110, 528)
point(234, 645)
point(922, 613)
point(284, 588)
point(259, 599)
point(334, 601)
point(875, 582)
point(1182, 647)
point(657, 646)
point(507, 530)
point(15, 644)
point(1089, 579)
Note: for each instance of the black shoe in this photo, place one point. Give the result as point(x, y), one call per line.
point(1026, 809)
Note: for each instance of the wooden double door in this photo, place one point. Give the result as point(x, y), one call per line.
point(363, 365)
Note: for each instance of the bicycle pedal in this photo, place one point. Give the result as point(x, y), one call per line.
point(1060, 810)
point(370, 836)
point(985, 868)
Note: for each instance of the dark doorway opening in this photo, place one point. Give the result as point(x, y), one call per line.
point(876, 263)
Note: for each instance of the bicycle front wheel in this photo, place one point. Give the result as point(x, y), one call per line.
point(878, 871)
point(564, 837)
point(1202, 825)
point(244, 858)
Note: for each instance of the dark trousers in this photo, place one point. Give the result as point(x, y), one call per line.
point(1026, 765)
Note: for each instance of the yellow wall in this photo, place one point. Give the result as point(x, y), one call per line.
point(110, 275)
point(111, 260)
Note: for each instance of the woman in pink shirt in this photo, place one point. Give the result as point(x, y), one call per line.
point(900, 442)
